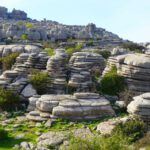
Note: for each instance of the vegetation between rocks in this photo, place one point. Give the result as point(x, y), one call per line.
point(8, 61)
point(40, 80)
point(8, 99)
point(50, 51)
point(112, 83)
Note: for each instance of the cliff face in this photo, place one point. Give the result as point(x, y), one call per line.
point(50, 30)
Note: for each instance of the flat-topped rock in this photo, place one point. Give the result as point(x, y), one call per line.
point(74, 107)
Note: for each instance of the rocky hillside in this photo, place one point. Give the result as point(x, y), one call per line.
point(16, 24)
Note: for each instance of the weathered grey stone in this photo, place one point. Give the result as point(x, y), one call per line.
point(28, 91)
point(141, 106)
point(136, 70)
point(77, 106)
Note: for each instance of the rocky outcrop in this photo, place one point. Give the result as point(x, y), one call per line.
point(52, 30)
point(18, 48)
point(17, 78)
point(82, 66)
point(18, 15)
point(140, 106)
point(15, 14)
point(56, 69)
point(3, 12)
point(76, 107)
point(106, 127)
point(136, 70)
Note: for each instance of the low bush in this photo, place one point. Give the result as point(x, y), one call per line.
point(105, 53)
point(29, 25)
point(132, 130)
point(132, 46)
point(72, 50)
point(40, 80)
point(99, 143)
point(112, 83)
point(50, 51)
point(3, 134)
point(8, 99)
point(24, 37)
point(8, 61)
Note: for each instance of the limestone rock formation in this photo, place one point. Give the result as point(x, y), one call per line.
point(18, 15)
point(77, 106)
point(136, 70)
point(82, 66)
point(15, 14)
point(18, 48)
point(51, 30)
point(17, 78)
point(141, 106)
point(3, 12)
point(57, 70)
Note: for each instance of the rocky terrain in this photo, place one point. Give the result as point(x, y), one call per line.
point(13, 25)
point(71, 87)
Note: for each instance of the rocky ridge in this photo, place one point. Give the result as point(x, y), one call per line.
point(10, 27)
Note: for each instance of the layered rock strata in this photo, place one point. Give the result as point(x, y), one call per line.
point(84, 65)
point(56, 69)
point(141, 106)
point(136, 70)
point(26, 61)
point(18, 48)
point(76, 107)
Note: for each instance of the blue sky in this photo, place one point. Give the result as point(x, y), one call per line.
point(130, 19)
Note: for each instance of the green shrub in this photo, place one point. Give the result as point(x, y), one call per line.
point(8, 99)
point(132, 130)
point(20, 23)
point(106, 54)
point(112, 83)
point(132, 46)
point(3, 134)
point(98, 143)
point(24, 37)
point(8, 61)
point(72, 50)
point(40, 80)
point(29, 25)
point(50, 51)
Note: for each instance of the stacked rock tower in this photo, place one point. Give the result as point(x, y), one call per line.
point(57, 71)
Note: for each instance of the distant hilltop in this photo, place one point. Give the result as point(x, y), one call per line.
point(16, 25)
point(15, 14)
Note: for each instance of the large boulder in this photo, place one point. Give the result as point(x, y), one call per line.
point(75, 107)
point(140, 106)
point(136, 70)
point(28, 91)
